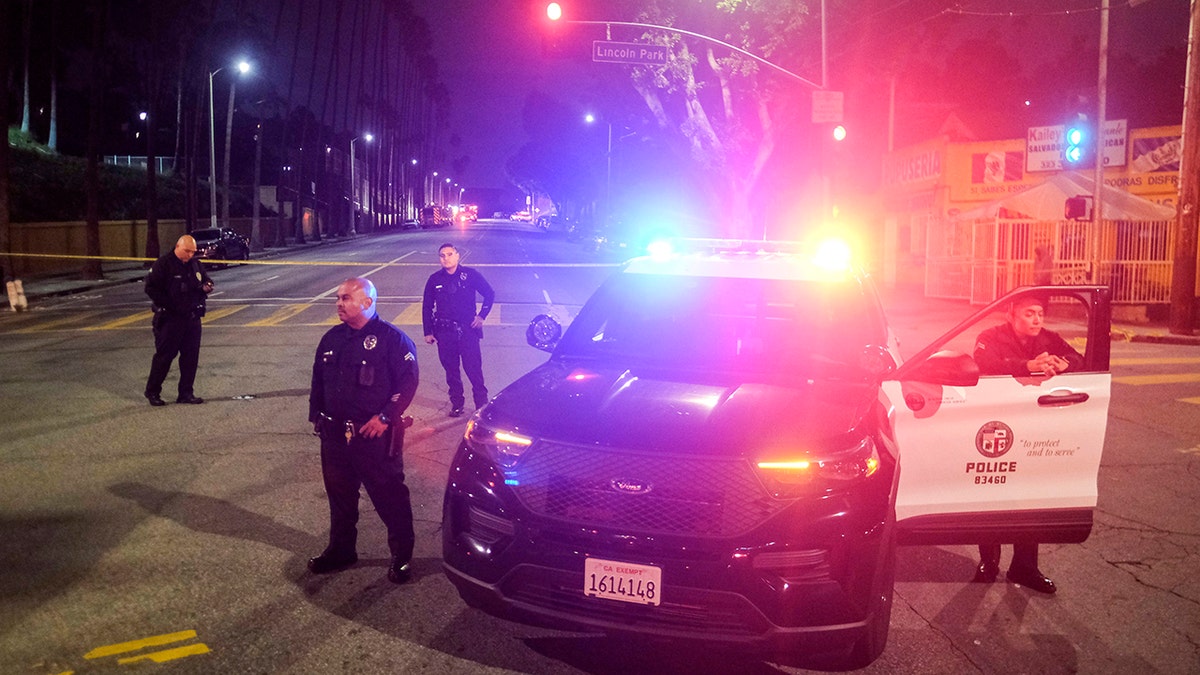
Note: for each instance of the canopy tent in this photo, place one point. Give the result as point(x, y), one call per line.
point(1045, 201)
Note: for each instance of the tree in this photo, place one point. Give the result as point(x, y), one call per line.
point(728, 111)
point(91, 266)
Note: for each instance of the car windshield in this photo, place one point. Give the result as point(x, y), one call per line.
point(206, 235)
point(760, 328)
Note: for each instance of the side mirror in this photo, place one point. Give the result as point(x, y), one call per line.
point(543, 332)
point(948, 368)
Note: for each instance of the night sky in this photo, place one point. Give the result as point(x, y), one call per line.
point(490, 53)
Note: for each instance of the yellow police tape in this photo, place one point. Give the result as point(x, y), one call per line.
point(346, 263)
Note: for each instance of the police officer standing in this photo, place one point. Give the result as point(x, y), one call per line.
point(1021, 347)
point(178, 286)
point(364, 377)
point(450, 320)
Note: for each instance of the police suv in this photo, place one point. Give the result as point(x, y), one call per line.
point(725, 445)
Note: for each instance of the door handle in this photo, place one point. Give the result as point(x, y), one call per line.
point(1054, 400)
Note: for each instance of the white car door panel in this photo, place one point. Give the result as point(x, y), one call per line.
point(1005, 458)
point(994, 447)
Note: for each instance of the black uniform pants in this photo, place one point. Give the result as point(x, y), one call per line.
point(453, 347)
point(175, 336)
point(1025, 556)
point(364, 462)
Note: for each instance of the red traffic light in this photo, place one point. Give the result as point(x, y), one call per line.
point(554, 11)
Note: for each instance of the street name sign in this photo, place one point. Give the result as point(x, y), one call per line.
point(629, 52)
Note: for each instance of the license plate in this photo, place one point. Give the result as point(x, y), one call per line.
point(627, 582)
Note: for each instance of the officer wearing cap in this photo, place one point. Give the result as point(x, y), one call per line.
point(364, 377)
point(449, 318)
point(178, 286)
point(1021, 347)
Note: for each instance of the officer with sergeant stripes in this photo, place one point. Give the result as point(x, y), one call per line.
point(364, 378)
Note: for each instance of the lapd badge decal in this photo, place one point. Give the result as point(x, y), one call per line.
point(369, 342)
point(198, 276)
point(994, 439)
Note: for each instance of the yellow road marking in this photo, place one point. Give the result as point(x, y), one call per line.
point(1196, 401)
point(221, 313)
point(1174, 378)
point(331, 321)
point(47, 325)
point(411, 316)
point(282, 314)
point(134, 645)
point(1154, 362)
point(121, 323)
point(167, 654)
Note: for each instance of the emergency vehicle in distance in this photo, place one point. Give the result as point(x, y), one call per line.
point(725, 446)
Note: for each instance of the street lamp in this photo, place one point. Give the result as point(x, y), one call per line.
point(243, 67)
point(354, 186)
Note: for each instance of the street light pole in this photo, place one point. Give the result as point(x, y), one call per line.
point(353, 184)
point(243, 67)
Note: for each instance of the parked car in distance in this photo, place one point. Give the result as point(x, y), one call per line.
point(221, 244)
point(410, 224)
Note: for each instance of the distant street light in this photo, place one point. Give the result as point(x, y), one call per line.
point(243, 67)
point(353, 185)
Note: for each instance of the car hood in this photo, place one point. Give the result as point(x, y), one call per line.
point(699, 413)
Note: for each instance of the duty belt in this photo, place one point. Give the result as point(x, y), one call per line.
point(349, 427)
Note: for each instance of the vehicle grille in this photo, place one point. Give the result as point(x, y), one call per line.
point(689, 495)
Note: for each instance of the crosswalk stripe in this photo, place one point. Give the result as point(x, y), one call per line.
point(122, 322)
point(411, 316)
point(282, 314)
point(1173, 378)
point(55, 323)
point(222, 312)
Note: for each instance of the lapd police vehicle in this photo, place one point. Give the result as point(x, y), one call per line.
point(725, 445)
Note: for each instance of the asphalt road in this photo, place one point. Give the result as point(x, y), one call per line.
point(130, 534)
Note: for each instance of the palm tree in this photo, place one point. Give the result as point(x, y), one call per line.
point(6, 266)
point(91, 266)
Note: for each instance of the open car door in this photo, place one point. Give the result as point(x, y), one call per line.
point(999, 458)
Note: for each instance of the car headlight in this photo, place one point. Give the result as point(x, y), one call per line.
point(504, 446)
point(800, 473)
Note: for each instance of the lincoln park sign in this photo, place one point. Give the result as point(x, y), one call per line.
point(629, 52)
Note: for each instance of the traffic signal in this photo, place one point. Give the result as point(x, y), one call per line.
point(1077, 143)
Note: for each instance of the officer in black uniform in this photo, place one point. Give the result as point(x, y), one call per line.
point(450, 320)
point(364, 377)
point(178, 286)
point(1021, 347)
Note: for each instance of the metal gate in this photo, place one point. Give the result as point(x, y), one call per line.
point(981, 259)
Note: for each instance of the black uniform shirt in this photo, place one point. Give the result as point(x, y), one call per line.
point(358, 374)
point(998, 351)
point(452, 297)
point(175, 285)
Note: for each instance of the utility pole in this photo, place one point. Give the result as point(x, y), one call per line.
point(1101, 102)
point(1183, 268)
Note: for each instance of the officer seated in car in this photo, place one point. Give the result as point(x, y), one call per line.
point(1021, 347)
